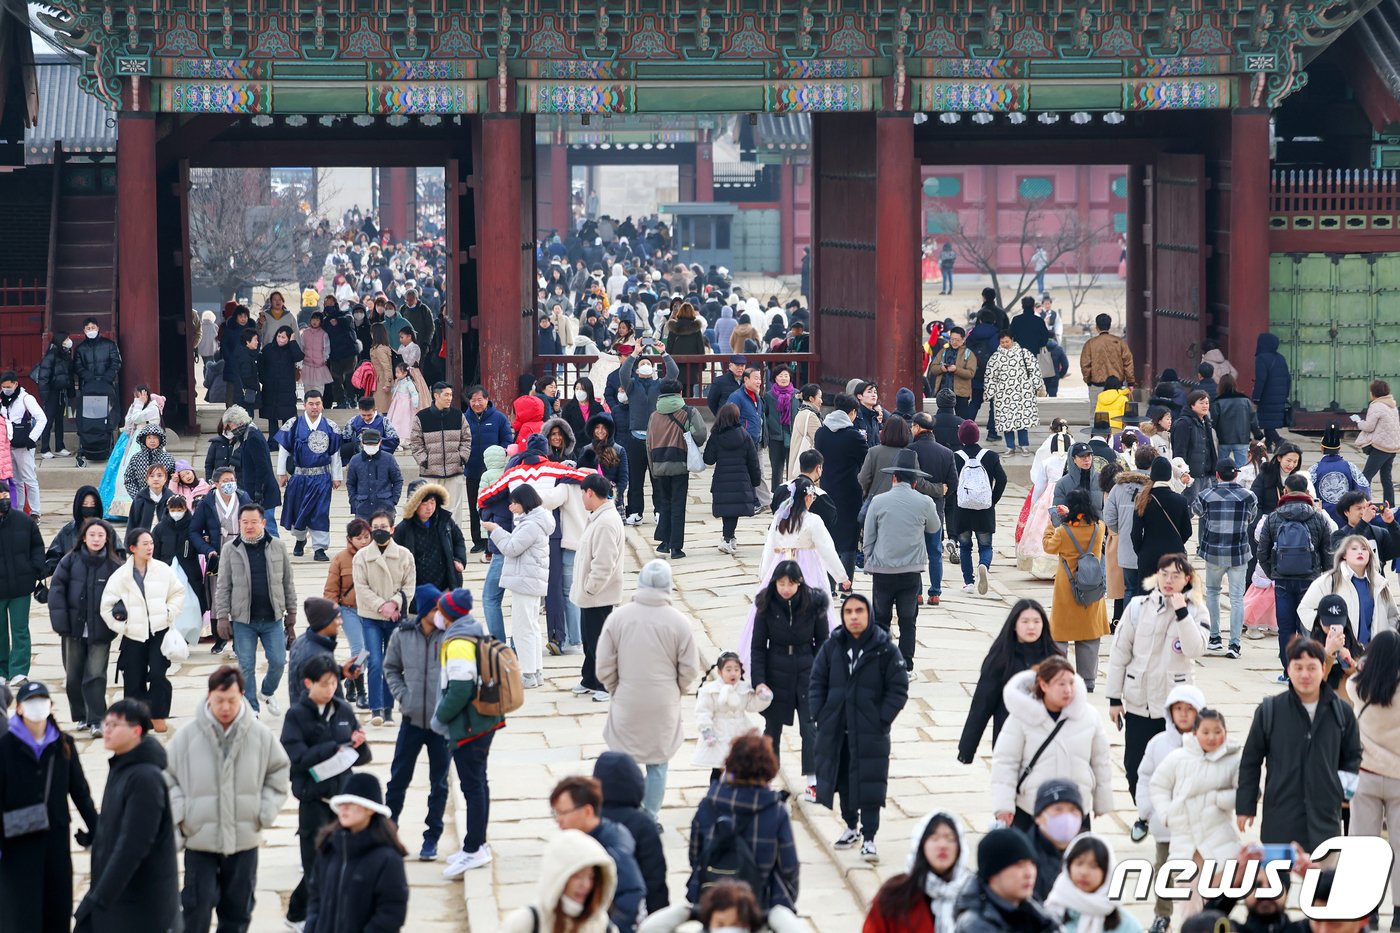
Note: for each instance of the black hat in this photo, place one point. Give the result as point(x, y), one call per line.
point(906, 461)
point(1130, 412)
point(1056, 791)
point(1101, 426)
point(364, 790)
point(369, 436)
point(1081, 449)
point(1331, 610)
point(999, 850)
point(37, 688)
point(320, 612)
point(738, 359)
point(1161, 471)
point(1225, 468)
point(1332, 437)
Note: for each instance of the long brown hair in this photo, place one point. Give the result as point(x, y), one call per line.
point(593, 907)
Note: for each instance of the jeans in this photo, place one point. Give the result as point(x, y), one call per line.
point(947, 274)
point(1238, 581)
point(271, 516)
point(1287, 594)
point(407, 747)
point(143, 670)
point(1023, 438)
point(984, 551)
point(14, 638)
point(655, 791)
point(354, 630)
point(1379, 461)
point(593, 619)
point(1132, 586)
point(493, 597)
point(1040, 281)
point(246, 636)
point(476, 789)
point(1052, 386)
point(222, 884)
point(933, 543)
point(572, 632)
point(1236, 452)
point(85, 664)
point(897, 594)
point(671, 493)
point(377, 632)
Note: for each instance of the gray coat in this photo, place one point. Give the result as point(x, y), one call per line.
point(1118, 513)
point(234, 598)
point(1073, 477)
point(526, 550)
point(895, 525)
point(413, 669)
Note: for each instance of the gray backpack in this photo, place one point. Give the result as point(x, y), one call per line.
point(1087, 581)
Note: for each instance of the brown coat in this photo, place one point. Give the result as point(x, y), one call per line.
point(1070, 621)
point(382, 358)
point(964, 370)
point(1106, 355)
point(340, 578)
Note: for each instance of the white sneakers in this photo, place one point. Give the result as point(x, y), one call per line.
point(572, 649)
point(634, 519)
point(271, 705)
point(459, 863)
point(579, 690)
point(728, 546)
point(981, 573)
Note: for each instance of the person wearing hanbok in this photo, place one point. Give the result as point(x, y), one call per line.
point(1046, 470)
point(7, 466)
point(145, 409)
point(405, 402)
point(312, 442)
point(797, 534)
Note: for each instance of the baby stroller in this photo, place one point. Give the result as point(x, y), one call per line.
point(95, 426)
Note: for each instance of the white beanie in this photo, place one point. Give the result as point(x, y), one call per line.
point(655, 575)
point(1187, 693)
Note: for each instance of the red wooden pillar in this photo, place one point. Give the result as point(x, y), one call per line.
point(704, 171)
point(398, 201)
point(898, 315)
point(500, 291)
point(561, 189)
point(1248, 284)
point(138, 310)
point(786, 220)
point(1135, 312)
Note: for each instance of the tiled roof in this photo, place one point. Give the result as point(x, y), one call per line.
point(67, 115)
point(784, 133)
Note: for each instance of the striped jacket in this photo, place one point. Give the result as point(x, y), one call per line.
point(455, 716)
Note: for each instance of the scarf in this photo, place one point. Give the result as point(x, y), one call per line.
point(784, 396)
point(1093, 907)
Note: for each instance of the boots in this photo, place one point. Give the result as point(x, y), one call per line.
point(361, 694)
point(349, 691)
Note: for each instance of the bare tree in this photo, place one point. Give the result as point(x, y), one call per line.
point(1058, 231)
point(241, 232)
point(1082, 277)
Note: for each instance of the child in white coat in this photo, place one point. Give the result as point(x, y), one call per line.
point(1183, 703)
point(722, 709)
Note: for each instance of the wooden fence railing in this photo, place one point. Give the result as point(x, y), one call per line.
point(1334, 191)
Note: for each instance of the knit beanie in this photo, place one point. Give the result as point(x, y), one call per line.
point(455, 604)
point(1057, 790)
point(999, 850)
point(1161, 470)
point(425, 597)
point(968, 433)
point(655, 576)
point(947, 400)
point(320, 612)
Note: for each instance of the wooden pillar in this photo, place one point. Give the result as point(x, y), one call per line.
point(398, 201)
point(1248, 283)
point(1135, 319)
point(786, 220)
point(898, 315)
point(704, 171)
point(561, 189)
point(685, 182)
point(138, 310)
point(500, 290)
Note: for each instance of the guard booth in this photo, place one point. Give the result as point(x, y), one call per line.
point(701, 233)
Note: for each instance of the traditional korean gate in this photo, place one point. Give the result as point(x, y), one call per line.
point(1176, 275)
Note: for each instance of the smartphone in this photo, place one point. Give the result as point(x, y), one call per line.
point(362, 657)
point(1335, 629)
point(1276, 852)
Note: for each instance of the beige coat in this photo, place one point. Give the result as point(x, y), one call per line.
point(1070, 621)
point(1381, 426)
point(382, 358)
point(647, 659)
point(804, 434)
point(567, 853)
point(381, 577)
point(147, 614)
point(598, 563)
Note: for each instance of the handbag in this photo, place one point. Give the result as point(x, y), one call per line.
point(31, 819)
point(1026, 771)
point(252, 398)
point(174, 646)
point(694, 459)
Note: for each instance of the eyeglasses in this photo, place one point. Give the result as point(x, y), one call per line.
point(560, 814)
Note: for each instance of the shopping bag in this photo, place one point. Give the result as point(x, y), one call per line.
point(190, 619)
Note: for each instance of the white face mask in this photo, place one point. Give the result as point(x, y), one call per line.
point(67, 344)
point(580, 395)
point(729, 930)
point(570, 907)
point(622, 396)
point(645, 371)
point(36, 709)
point(91, 333)
point(371, 449)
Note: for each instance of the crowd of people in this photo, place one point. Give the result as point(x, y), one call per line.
point(541, 491)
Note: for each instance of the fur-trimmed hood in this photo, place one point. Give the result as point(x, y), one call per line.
point(563, 426)
point(1155, 600)
point(1131, 476)
point(1019, 697)
point(416, 498)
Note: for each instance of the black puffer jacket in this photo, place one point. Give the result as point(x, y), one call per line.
point(1163, 529)
point(175, 546)
point(358, 884)
point(76, 593)
point(981, 911)
point(56, 371)
point(855, 704)
point(785, 643)
point(735, 458)
point(310, 737)
point(67, 536)
point(98, 361)
point(1235, 421)
point(277, 367)
point(1193, 440)
point(623, 789)
point(23, 563)
point(987, 704)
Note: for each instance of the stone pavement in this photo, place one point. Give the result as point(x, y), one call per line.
point(557, 734)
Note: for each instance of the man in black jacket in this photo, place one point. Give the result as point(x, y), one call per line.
point(623, 787)
point(1027, 328)
point(1001, 898)
point(726, 383)
point(1359, 514)
point(1305, 736)
point(1193, 440)
point(98, 362)
point(135, 882)
point(324, 741)
point(20, 571)
point(942, 469)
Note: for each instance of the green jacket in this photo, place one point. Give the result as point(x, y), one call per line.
point(455, 716)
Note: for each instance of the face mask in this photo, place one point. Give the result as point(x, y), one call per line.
point(580, 395)
point(1063, 827)
point(9, 393)
point(67, 344)
point(228, 489)
point(729, 930)
point(370, 449)
point(176, 516)
point(36, 709)
point(622, 396)
point(90, 511)
point(91, 334)
point(645, 371)
point(359, 318)
point(381, 536)
point(228, 435)
point(570, 907)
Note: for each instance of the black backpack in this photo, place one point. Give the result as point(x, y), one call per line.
point(727, 857)
point(1293, 549)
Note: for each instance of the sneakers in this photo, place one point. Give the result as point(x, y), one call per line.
point(300, 549)
point(218, 646)
point(553, 648)
point(579, 690)
point(602, 696)
point(728, 546)
point(17, 681)
point(969, 587)
point(656, 518)
point(572, 649)
point(46, 455)
point(95, 729)
point(271, 705)
point(1281, 679)
point(1139, 831)
point(1233, 652)
point(867, 852)
point(297, 925)
point(320, 556)
point(981, 573)
point(478, 548)
point(429, 851)
point(848, 839)
point(461, 863)
point(532, 680)
point(810, 794)
point(1160, 925)
point(633, 519)
point(912, 676)
point(1215, 646)
point(64, 453)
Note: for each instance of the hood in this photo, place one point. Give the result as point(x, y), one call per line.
point(562, 425)
point(78, 501)
point(1386, 400)
point(148, 751)
point(465, 627)
point(1021, 702)
point(423, 492)
point(916, 842)
point(1131, 476)
point(596, 419)
point(1186, 693)
point(1267, 343)
point(742, 800)
point(569, 852)
point(1296, 507)
point(904, 403)
point(727, 313)
point(617, 268)
point(147, 430)
point(529, 409)
point(494, 457)
point(837, 420)
point(668, 404)
point(622, 779)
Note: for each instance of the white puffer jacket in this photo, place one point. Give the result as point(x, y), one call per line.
point(526, 550)
point(1161, 745)
point(148, 613)
point(1196, 793)
point(1079, 752)
point(724, 709)
point(1153, 651)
